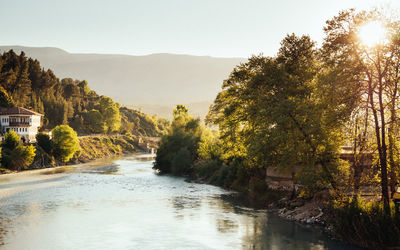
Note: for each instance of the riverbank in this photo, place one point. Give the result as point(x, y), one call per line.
point(93, 148)
point(91, 207)
point(316, 211)
point(351, 220)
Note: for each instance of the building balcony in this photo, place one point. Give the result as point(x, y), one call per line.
point(19, 124)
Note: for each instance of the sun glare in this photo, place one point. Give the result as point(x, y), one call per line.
point(372, 33)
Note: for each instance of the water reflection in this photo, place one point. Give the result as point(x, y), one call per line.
point(184, 202)
point(226, 225)
point(122, 204)
point(112, 169)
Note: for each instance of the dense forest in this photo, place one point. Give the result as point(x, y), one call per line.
point(24, 83)
point(328, 117)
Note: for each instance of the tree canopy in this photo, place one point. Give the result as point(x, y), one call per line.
point(15, 155)
point(65, 141)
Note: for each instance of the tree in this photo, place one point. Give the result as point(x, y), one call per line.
point(179, 148)
point(94, 121)
point(65, 141)
point(84, 87)
point(16, 156)
point(110, 113)
point(44, 141)
point(11, 140)
point(268, 113)
point(23, 82)
point(371, 73)
point(181, 162)
point(5, 99)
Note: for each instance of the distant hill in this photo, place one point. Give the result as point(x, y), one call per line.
point(161, 80)
point(197, 109)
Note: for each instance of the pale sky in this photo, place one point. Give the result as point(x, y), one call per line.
point(222, 28)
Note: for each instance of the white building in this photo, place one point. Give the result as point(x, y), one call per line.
point(23, 121)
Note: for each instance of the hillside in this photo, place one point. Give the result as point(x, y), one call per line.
point(158, 79)
point(196, 109)
point(24, 83)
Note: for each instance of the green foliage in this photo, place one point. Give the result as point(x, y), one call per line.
point(170, 145)
point(84, 86)
point(43, 141)
point(23, 82)
point(367, 225)
point(181, 143)
point(65, 141)
point(5, 99)
point(138, 123)
point(269, 115)
point(181, 163)
point(11, 140)
point(206, 168)
point(224, 176)
point(94, 121)
point(110, 112)
point(16, 156)
point(21, 157)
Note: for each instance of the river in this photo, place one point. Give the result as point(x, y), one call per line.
point(123, 204)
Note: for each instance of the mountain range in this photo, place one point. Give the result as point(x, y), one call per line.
point(154, 83)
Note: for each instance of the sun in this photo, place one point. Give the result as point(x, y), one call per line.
point(372, 33)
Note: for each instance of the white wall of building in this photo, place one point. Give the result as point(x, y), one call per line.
point(28, 131)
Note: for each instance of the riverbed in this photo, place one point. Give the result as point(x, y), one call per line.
point(123, 204)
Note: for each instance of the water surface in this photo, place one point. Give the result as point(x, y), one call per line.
point(123, 204)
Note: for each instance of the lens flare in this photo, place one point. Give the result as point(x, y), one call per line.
point(372, 33)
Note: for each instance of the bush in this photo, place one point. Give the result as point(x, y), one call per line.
point(43, 141)
point(225, 176)
point(170, 145)
point(182, 162)
point(11, 140)
point(206, 168)
point(66, 142)
point(16, 156)
point(366, 224)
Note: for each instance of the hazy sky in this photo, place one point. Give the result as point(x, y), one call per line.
point(227, 28)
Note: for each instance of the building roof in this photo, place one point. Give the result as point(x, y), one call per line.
point(17, 111)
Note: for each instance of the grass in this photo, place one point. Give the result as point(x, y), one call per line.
point(365, 224)
point(100, 147)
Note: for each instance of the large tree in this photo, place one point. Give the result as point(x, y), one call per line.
point(371, 72)
point(269, 113)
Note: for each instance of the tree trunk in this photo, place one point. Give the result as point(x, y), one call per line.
point(381, 145)
point(383, 157)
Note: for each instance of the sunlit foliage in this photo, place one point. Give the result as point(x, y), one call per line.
point(15, 155)
point(65, 141)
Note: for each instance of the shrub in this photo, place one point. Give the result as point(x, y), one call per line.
point(182, 162)
point(66, 142)
point(366, 224)
point(43, 140)
point(206, 168)
point(16, 156)
point(11, 140)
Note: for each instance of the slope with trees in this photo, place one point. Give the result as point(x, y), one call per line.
point(70, 102)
